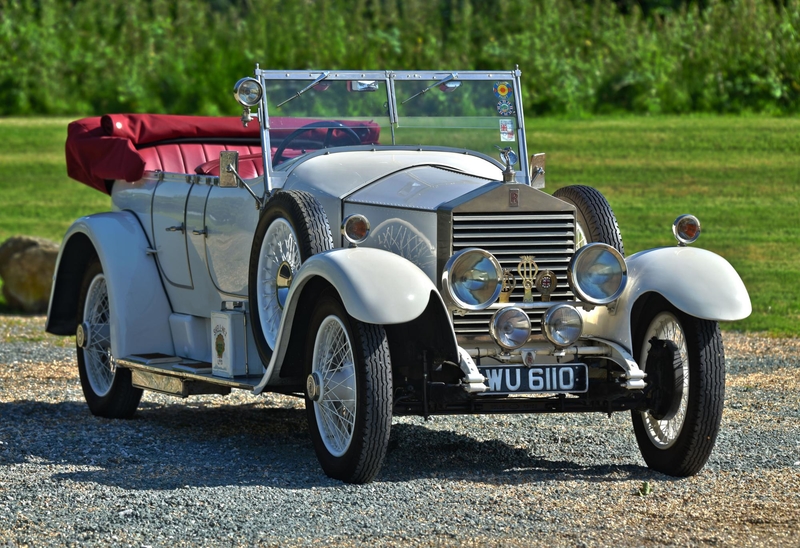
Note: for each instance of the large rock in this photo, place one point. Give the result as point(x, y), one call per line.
point(26, 267)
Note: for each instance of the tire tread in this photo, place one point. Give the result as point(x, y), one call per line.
point(596, 211)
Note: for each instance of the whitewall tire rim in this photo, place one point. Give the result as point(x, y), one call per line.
point(334, 371)
point(279, 247)
point(664, 433)
point(100, 364)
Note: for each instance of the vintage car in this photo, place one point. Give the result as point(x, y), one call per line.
point(378, 243)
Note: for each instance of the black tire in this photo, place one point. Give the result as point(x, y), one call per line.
point(676, 437)
point(358, 456)
point(596, 219)
point(107, 389)
point(303, 214)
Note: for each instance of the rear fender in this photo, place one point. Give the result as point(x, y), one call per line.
point(695, 281)
point(375, 286)
point(141, 310)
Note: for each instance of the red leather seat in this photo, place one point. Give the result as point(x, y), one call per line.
point(186, 157)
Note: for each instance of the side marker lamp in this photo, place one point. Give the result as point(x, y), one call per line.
point(686, 229)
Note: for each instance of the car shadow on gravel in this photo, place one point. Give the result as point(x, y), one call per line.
point(417, 452)
point(193, 444)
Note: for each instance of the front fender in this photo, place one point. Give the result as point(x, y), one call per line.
point(375, 286)
point(139, 305)
point(695, 281)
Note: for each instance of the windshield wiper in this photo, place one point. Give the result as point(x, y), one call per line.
point(305, 89)
point(430, 87)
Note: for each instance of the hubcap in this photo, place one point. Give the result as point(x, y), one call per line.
point(333, 370)
point(314, 386)
point(100, 364)
point(277, 263)
point(283, 282)
point(664, 432)
point(82, 335)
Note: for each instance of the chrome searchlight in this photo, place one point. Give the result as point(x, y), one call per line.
point(472, 279)
point(562, 324)
point(510, 327)
point(597, 274)
point(686, 229)
point(248, 91)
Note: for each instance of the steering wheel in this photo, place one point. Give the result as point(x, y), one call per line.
point(352, 135)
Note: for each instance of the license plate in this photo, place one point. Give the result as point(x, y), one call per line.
point(513, 379)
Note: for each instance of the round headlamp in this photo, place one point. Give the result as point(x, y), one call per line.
point(562, 324)
point(510, 327)
point(597, 273)
point(472, 279)
point(355, 228)
point(248, 91)
point(686, 229)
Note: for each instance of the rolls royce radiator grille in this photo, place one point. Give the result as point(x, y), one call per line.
point(549, 237)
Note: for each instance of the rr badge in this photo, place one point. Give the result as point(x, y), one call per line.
point(527, 270)
point(513, 197)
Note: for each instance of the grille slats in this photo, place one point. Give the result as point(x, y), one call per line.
point(549, 237)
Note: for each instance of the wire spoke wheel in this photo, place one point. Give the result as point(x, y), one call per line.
point(278, 261)
point(678, 425)
point(336, 406)
point(664, 432)
point(100, 366)
point(292, 228)
point(348, 392)
point(107, 388)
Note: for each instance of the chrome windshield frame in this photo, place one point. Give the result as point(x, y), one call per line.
point(388, 78)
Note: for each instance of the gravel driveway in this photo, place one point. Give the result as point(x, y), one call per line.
point(241, 471)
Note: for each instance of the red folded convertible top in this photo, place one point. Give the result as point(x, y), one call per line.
point(105, 148)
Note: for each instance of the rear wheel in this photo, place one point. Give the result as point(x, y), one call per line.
point(106, 387)
point(685, 365)
point(596, 220)
point(348, 392)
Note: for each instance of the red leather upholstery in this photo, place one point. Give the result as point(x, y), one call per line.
point(185, 157)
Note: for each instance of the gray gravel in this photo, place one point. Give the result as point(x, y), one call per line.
point(241, 471)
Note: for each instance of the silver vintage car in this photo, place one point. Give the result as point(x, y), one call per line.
point(379, 243)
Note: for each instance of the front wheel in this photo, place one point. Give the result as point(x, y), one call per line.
point(685, 365)
point(348, 392)
point(106, 387)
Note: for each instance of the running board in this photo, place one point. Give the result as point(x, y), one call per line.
point(183, 378)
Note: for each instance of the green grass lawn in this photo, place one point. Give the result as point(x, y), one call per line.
point(740, 176)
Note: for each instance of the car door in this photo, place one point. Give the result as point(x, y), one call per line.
point(169, 233)
point(230, 220)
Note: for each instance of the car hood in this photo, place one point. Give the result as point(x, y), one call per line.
point(417, 179)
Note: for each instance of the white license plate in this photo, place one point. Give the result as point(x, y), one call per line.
point(517, 379)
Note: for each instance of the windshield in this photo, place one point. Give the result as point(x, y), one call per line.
point(471, 110)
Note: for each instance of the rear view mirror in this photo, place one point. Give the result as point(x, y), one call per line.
point(537, 169)
point(362, 85)
point(450, 86)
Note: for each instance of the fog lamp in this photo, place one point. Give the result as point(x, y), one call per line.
point(248, 91)
point(510, 327)
point(562, 324)
point(472, 279)
point(597, 273)
point(355, 228)
point(686, 229)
